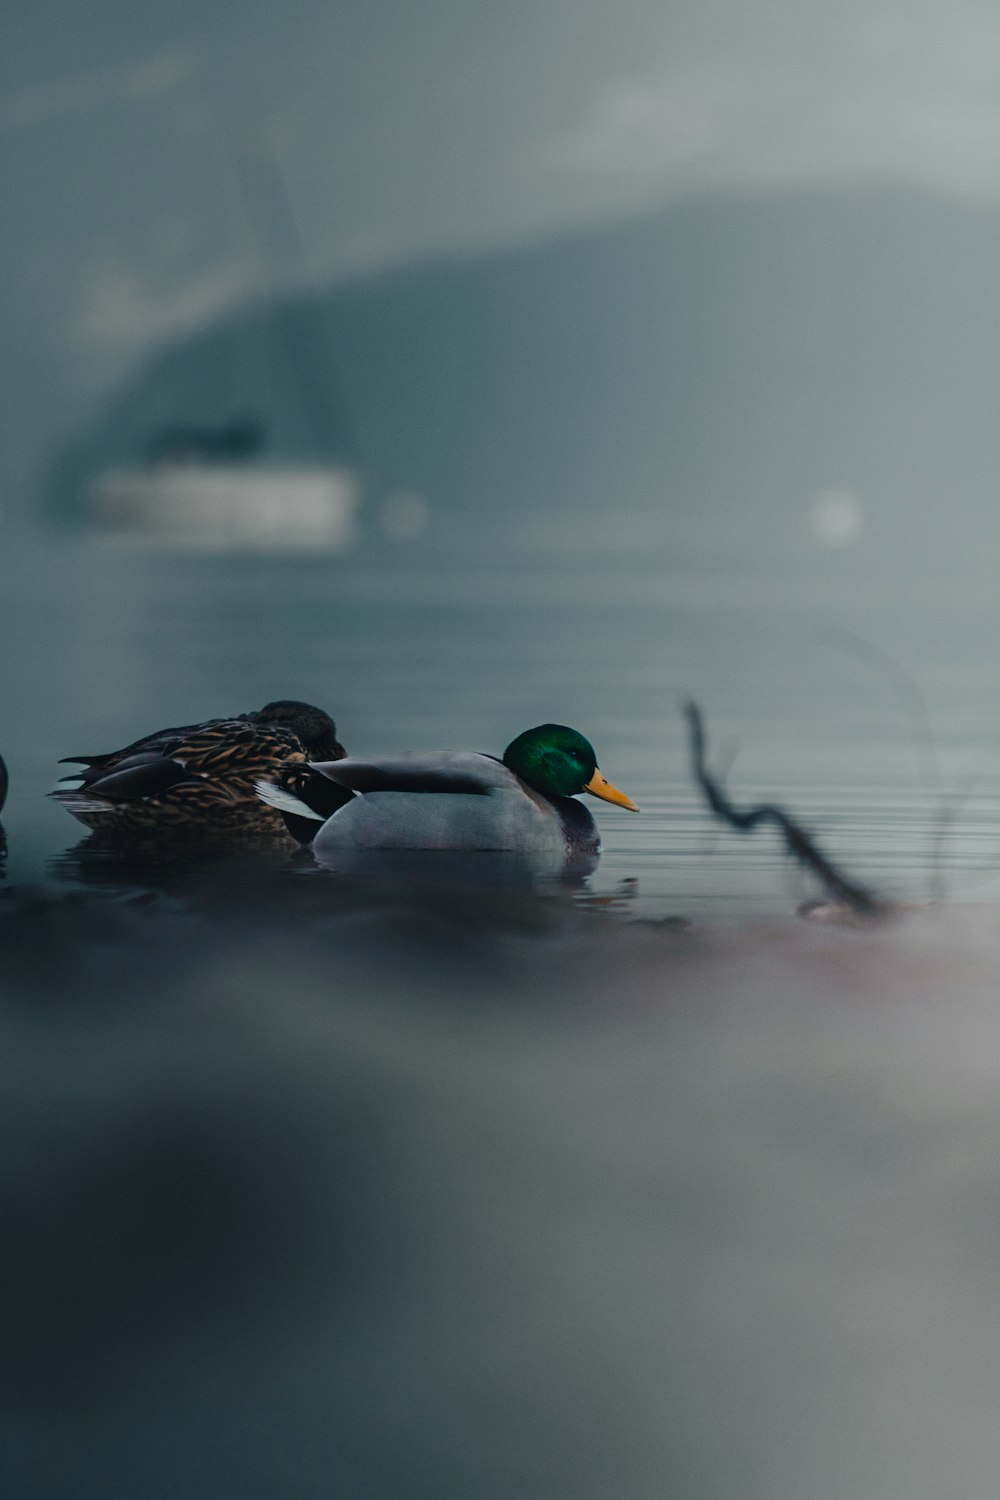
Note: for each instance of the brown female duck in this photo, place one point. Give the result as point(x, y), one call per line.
point(198, 780)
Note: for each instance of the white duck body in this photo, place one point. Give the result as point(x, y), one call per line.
point(449, 799)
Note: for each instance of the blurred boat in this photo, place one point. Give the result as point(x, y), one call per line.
point(212, 485)
point(229, 505)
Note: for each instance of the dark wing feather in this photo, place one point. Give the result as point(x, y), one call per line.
point(216, 752)
point(164, 741)
point(324, 796)
point(147, 775)
point(241, 750)
point(417, 773)
point(196, 776)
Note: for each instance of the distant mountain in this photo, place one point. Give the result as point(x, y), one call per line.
point(724, 355)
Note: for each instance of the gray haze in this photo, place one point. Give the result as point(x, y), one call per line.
point(495, 1205)
point(684, 320)
point(402, 131)
point(734, 358)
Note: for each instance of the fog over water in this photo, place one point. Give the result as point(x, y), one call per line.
point(449, 1185)
point(421, 1194)
point(660, 345)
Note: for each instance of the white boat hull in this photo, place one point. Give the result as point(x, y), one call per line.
point(230, 507)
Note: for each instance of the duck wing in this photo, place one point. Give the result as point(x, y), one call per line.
point(449, 800)
point(439, 771)
point(217, 752)
point(308, 795)
point(145, 775)
point(162, 740)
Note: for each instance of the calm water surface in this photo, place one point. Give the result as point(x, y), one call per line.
point(862, 697)
point(449, 1188)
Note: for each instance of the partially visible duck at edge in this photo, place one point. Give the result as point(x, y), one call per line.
point(197, 781)
point(454, 800)
point(3, 783)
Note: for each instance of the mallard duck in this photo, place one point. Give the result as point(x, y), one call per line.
point(198, 780)
point(453, 799)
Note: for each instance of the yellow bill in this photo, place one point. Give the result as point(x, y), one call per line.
point(600, 786)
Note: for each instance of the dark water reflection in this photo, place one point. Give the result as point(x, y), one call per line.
point(491, 1196)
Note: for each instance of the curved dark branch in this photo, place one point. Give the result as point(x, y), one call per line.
point(797, 841)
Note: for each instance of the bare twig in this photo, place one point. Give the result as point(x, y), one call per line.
point(797, 841)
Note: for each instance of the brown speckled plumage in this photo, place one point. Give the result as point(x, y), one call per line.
point(198, 780)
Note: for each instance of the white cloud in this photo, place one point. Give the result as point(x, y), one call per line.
point(641, 125)
point(889, 98)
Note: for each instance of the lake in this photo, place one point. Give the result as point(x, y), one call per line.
point(316, 1187)
point(830, 683)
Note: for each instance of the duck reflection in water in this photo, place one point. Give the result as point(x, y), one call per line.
point(265, 883)
point(4, 783)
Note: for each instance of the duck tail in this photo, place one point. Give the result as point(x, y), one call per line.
point(305, 800)
point(83, 806)
point(300, 820)
point(285, 801)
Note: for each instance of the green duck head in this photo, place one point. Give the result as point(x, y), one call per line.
point(559, 762)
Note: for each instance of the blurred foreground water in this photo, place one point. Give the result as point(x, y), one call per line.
point(449, 1186)
point(441, 1195)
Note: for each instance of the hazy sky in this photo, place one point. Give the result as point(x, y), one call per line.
point(404, 129)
